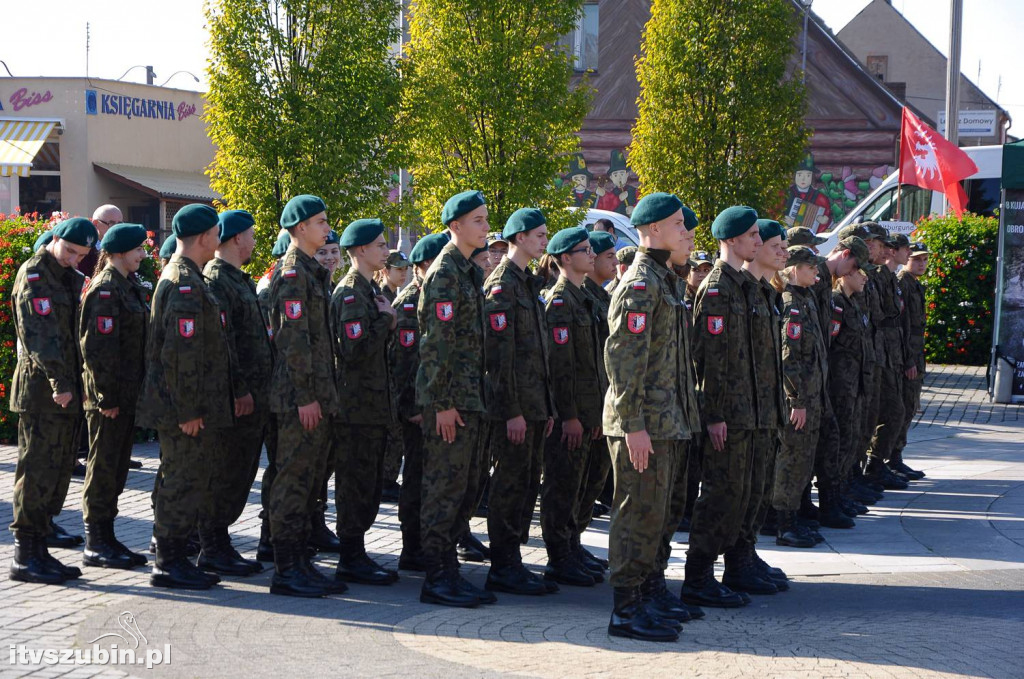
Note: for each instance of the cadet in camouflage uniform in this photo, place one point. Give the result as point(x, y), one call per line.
point(404, 358)
point(396, 278)
point(303, 396)
point(186, 395)
point(914, 316)
point(113, 343)
point(363, 321)
point(237, 459)
point(578, 392)
point(822, 288)
point(645, 422)
point(46, 392)
point(723, 357)
point(624, 258)
point(519, 398)
point(449, 392)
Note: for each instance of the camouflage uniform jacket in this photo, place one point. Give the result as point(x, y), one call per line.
point(248, 330)
point(765, 325)
point(850, 355)
point(576, 352)
point(364, 373)
point(691, 400)
point(405, 352)
point(873, 305)
point(914, 316)
point(113, 340)
point(44, 310)
point(450, 316)
point(644, 355)
point(804, 357)
point(303, 341)
point(517, 382)
point(822, 291)
point(188, 365)
point(602, 300)
point(891, 299)
point(722, 352)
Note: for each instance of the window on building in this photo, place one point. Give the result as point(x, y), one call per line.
point(878, 66)
point(39, 193)
point(582, 42)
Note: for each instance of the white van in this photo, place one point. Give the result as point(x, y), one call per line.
point(625, 231)
point(982, 189)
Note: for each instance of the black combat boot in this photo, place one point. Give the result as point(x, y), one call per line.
point(514, 578)
point(587, 559)
point(100, 551)
point(173, 569)
point(741, 575)
point(897, 465)
point(69, 572)
point(569, 571)
point(451, 561)
point(701, 589)
point(659, 602)
point(331, 585)
point(631, 619)
point(789, 535)
point(320, 536)
point(770, 527)
point(58, 537)
point(471, 549)
point(411, 558)
point(441, 587)
point(136, 558)
point(218, 556)
point(878, 472)
point(291, 577)
point(265, 549)
point(355, 566)
point(776, 576)
point(29, 566)
point(807, 509)
point(831, 514)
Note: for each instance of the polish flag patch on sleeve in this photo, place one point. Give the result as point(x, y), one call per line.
point(185, 289)
point(712, 292)
point(32, 276)
point(639, 285)
point(289, 273)
point(349, 299)
point(557, 301)
point(496, 290)
point(407, 306)
point(104, 294)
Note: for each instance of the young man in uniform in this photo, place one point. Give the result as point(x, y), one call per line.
point(238, 458)
point(914, 316)
point(46, 392)
point(644, 415)
point(186, 396)
point(519, 398)
point(303, 396)
point(449, 392)
point(363, 322)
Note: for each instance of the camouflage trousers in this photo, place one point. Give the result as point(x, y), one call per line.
point(234, 466)
point(869, 413)
point(794, 465)
point(677, 504)
point(890, 414)
point(826, 456)
point(599, 465)
point(641, 510)
point(762, 483)
point(270, 472)
point(848, 406)
point(301, 468)
point(110, 451)
point(564, 474)
point(393, 455)
point(515, 484)
point(911, 404)
point(358, 477)
point(410, 499)
point(451, 474)
point(724, 494)
point(183, 490)
point(47, 443)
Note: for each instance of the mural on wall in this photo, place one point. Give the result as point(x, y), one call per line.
point(820, 198)
point(612, 191)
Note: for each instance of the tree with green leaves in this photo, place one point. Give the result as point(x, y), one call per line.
point(303, 99)
point(721, 113)
point(488, 104)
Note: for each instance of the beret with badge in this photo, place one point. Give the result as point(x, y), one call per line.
point(460, 204)
point(194, 220)
point(601, 241)
point(522, 220)
point(655, 207)
point(428, 248)
point(769, 228)
point(234, 222)
point(361, 232)
point(77, 230)
point(733, 222)
point(565, 240)
point(689, 218)
point(123, 238)
point(44, 239)
point(300, 208)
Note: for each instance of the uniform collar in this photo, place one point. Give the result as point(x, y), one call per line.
point(574, 291)
point(736, 275)
point(178, 258)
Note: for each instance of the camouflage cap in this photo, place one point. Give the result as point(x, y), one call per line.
point(917, 249)
point(397, 260)
point(698, 257)
point(876, 230)
point(899, 240)
point(860, 250)
point(801, 254)
point(855, 231)
point(626, 255)
point(496, 237)
point(801, 235)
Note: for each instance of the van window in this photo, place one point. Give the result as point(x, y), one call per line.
point(914, 203)
point(982, 196)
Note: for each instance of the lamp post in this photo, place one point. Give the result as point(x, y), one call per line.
point(806, 4)
point(150, 73)
point(194, 77)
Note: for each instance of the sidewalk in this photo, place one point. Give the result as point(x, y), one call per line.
point(929, 584)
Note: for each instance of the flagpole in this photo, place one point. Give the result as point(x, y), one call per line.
point(956, 15)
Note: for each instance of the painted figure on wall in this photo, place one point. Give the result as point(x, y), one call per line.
point(579, 177)
point(616, 194)
point(806, 205)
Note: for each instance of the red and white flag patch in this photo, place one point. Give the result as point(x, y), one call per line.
point(636, 322)
point(354, 330)
point(639, 285)
point(42, 306)
point(496, 290)
point(557, 301)
point(445, 311)
point(293, 309)
point(560, 335)
point(499, 321)
point(407, 337)
point(105, 324)
point(104, 294)
point(223, 319)
point(290, 273)
point(32, 276)
point(716, 325)
point(186, 327)
point(349, 299)
point(835, 328)
point(408, 306)
point(712, 292)
point(185, 289)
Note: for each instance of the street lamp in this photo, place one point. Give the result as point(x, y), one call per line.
point(176, 73)
point(150, 73)
point(806, 4)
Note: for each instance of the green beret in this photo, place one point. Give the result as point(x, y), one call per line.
point(917, 249)
point(44, 239)
point(600, 241)
point(801, 235)
point(234, 222)
point(626, 255)
point(361, 232)
point(698, 257)
point(460, 204)
point(801, 254)
point(733, 221)
point(397, 260)
point(769, 228)
point(332, 238)
point(860, 250)
point(123, 237)
point(566, 239)
point(169, 247)
point(77, 230)
point(655, 207)
point(522, 220)
point(899, 240)
point(478, 251)
point(428, 247)
point(281, 245)
point(301, 208)
point(855, 231)
point(193, 220)
point(689, 218)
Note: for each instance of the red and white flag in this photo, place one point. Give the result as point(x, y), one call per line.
point(928, 160)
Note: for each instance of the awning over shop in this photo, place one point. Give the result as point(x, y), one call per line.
point(20, 141)
point(163, 184)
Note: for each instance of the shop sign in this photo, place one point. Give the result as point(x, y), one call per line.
point(136, 107)
point(22, 99)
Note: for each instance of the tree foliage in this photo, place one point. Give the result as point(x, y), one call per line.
point(720, 120)
point(488, 104)
point(303, 99)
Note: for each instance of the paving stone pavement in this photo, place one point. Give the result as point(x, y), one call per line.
point(929, 584)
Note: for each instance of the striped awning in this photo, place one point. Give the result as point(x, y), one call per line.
point(20, 141)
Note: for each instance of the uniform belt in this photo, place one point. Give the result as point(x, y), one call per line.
point(889, 323)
